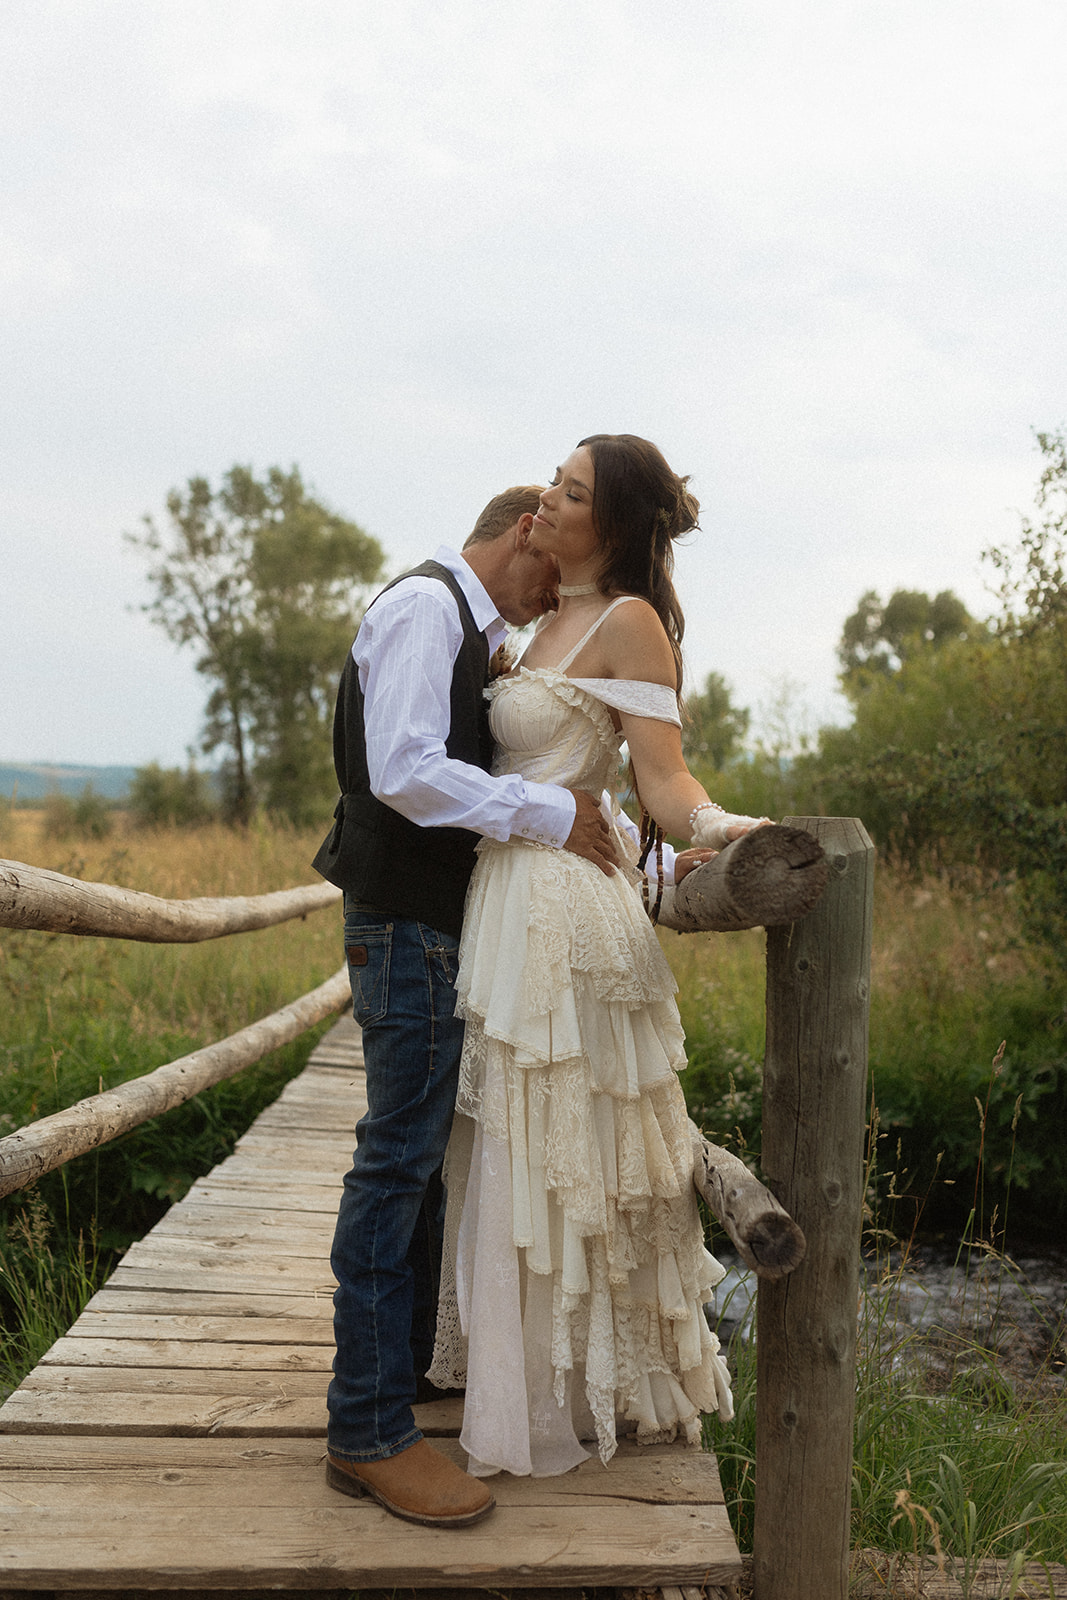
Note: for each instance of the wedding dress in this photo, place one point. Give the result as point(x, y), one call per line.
point(575, 1273)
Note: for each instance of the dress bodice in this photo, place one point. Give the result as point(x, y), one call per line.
point(556, 729)
point(550, 729)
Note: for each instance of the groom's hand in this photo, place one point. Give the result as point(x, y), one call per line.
point(589, 836)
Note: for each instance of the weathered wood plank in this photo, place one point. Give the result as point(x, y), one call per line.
point(875, 1574)
point(322, 1184)
point(314, 1143)
point(308, 1126)
point(98, 1326)
point(244, 1415)
point(562, 1592)
point(249, 1308)
point(217, 1255)
point(314, 1087)
point(284, 1357)
point(305, 1198)
point(185, 1390)
point(344, 1542)
point(659, 1475)
point(339, 1102)
point(186, 1402)
point(292, 1234)
point(169, 1279)
point(172, 1381)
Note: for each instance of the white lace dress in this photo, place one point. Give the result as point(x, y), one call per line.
point(575, 1271)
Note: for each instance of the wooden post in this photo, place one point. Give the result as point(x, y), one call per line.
point(814, 1099)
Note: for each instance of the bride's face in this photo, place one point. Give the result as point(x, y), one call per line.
point(564, 521)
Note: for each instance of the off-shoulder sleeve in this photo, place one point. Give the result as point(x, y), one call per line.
point(655, 700)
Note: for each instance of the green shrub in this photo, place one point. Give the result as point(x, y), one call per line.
point(161, 797)
point(87, 817)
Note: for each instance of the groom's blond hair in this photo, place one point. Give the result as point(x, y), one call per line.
point(502, 513)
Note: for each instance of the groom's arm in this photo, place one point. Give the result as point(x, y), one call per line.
point(405, 652)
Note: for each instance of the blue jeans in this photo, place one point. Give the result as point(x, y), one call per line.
point(387, 1245)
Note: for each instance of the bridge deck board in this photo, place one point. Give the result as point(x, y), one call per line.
point(173, 1440)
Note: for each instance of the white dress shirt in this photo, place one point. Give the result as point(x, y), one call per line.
point(405, 651)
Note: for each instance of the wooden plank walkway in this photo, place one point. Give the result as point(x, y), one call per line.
point(173, 1440)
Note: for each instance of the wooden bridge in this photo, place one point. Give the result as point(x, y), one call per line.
point(173, 1441)
point(175, 1437)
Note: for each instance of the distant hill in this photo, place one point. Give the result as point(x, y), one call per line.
point(36, 782)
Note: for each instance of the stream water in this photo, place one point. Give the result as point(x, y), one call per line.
point(999, 1321)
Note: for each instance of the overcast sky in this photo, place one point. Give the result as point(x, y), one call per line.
point(815, 250)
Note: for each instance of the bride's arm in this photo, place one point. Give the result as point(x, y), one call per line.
point(637, 648)
point(669, 792)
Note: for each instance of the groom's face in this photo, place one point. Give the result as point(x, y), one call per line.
point(529, 586)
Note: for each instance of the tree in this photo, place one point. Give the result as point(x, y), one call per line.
point(1033, 586)
point(877, 639)
point(715, 728)
point(957, 752)
point(269, 585)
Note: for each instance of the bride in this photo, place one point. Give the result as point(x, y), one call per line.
point(575, 1271)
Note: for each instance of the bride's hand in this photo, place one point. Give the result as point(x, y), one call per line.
point(686, 860)
point(715, 829)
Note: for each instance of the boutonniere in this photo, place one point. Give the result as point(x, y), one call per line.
point(502, 661)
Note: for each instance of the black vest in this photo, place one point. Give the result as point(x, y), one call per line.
point(382, 861)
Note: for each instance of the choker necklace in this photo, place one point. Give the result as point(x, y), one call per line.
point(570, 589)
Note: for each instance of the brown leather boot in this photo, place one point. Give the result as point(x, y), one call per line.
point(420, 1485)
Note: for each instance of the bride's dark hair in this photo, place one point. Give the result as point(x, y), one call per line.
point(639, 508)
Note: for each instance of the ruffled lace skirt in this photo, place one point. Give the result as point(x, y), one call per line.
point(575, 1272)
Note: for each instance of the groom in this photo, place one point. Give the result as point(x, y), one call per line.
point(412, 750)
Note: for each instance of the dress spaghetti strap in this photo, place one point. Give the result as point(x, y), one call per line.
point(584, 640)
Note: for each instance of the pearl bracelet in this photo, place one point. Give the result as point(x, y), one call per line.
point(705, 805)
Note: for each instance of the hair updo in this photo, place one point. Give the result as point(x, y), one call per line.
point(639, 508)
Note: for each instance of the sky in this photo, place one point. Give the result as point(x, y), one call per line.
point(816, 251)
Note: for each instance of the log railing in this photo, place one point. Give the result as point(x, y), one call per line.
point(810, 883)
point(52, 1141)
point(33, 898)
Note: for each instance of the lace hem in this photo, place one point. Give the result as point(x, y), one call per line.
point(574, 1262)
point(581, 1348)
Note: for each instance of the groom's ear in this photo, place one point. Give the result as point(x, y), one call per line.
point(522, 530)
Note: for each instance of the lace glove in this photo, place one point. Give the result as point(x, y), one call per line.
point(710, 822)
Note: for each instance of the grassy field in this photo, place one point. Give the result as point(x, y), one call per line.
point(966, 1138)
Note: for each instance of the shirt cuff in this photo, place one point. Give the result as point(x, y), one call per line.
point(548, 816)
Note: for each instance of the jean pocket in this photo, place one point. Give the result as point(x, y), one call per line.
point(367, 953)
